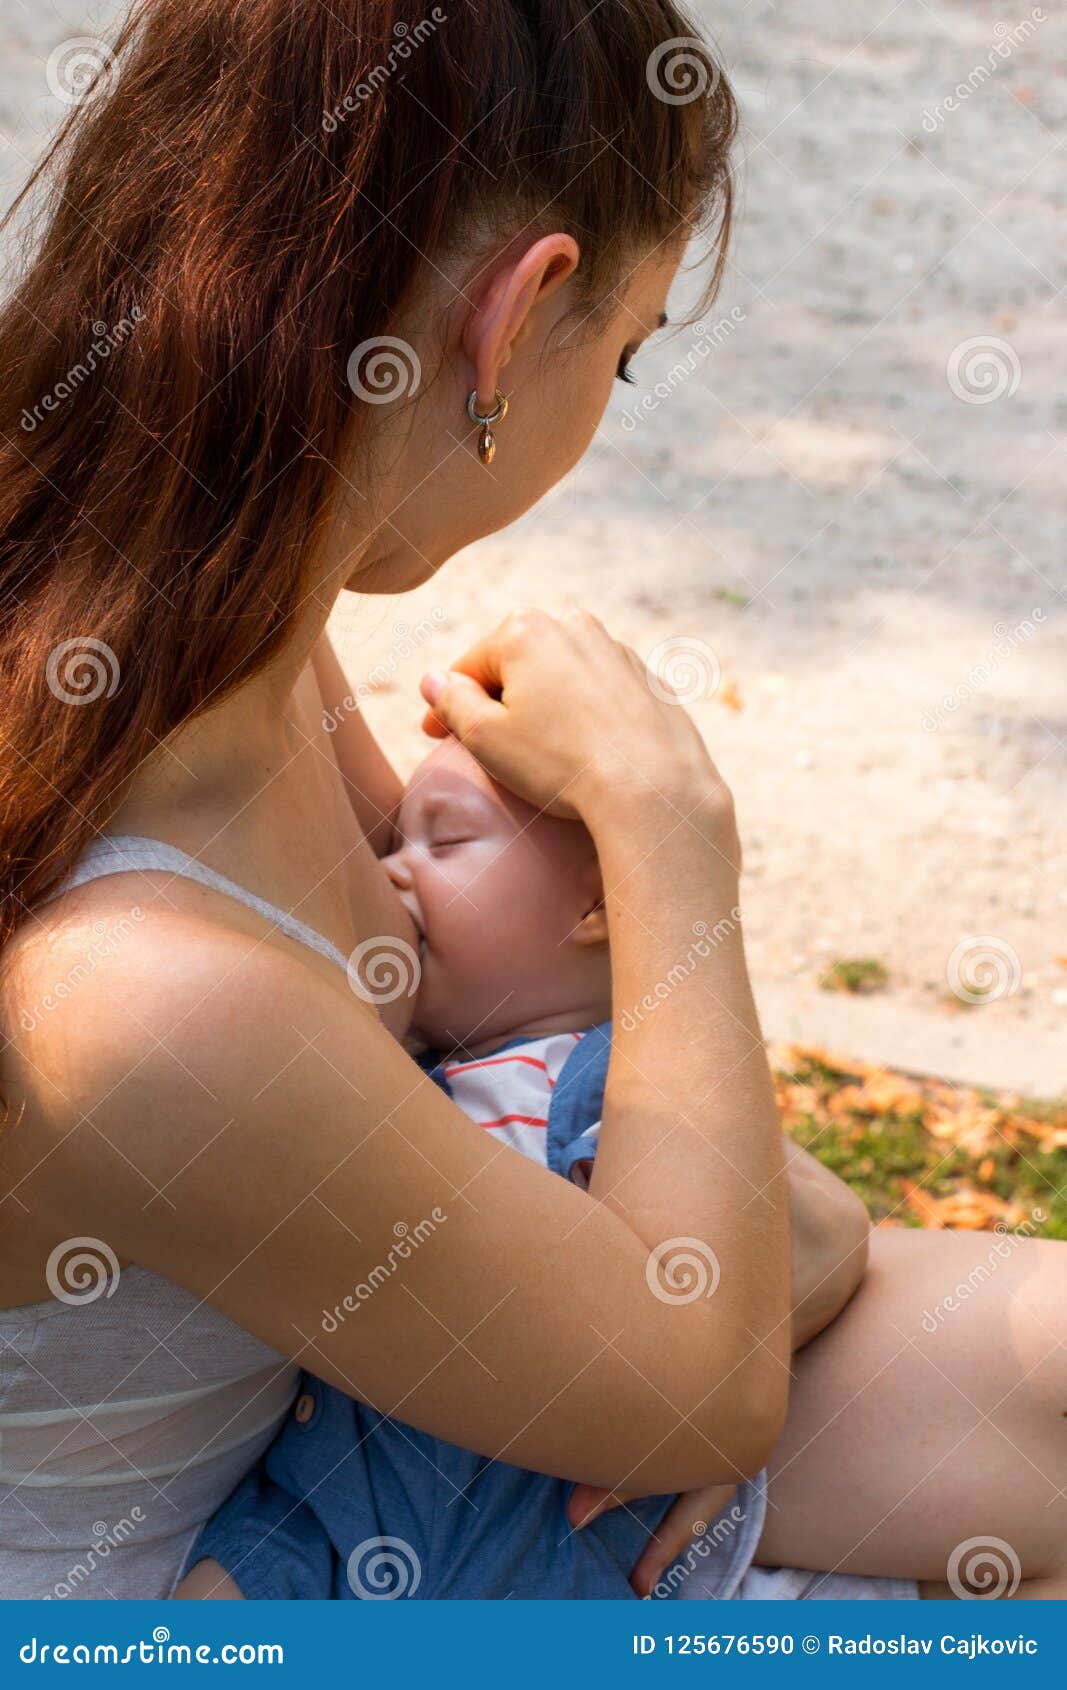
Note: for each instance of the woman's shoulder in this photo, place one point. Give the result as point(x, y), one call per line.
point(147, 1057)
point(133, 973)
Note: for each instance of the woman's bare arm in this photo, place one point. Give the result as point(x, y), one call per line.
point(238, 1122)
point(830, 1246)
point(373, 785)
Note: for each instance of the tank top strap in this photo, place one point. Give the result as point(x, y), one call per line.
point(127, 853)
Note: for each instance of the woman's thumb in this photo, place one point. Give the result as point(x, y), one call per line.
point(586, 1503)
point(458, 705)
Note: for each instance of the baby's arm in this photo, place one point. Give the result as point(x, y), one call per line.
point(208, 1582)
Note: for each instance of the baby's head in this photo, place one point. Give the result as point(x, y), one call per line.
point(509, 907)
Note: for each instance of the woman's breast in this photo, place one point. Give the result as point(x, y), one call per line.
point(384, 965)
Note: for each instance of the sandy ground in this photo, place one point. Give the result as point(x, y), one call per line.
point(858, 513)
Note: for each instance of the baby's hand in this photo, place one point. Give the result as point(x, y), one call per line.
point(208, 1582)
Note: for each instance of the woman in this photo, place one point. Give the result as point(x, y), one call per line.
point(260, 198)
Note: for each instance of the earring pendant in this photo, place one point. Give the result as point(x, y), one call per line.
point(486, 420)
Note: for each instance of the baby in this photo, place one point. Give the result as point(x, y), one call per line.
point(508, 905)
point(512, 1005)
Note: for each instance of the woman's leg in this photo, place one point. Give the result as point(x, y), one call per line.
point(930, 1420)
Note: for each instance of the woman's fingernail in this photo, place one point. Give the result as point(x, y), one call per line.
point(433, 685)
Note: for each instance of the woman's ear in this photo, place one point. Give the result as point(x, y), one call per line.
point(500, 319)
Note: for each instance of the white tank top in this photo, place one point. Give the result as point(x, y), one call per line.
point(126, 1418)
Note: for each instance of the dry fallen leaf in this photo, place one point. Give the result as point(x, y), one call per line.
point(966, 1209)
point(729, 695)
point(966, 1139)
point(887, 1093)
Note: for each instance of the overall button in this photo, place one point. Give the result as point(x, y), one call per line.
point(305, 1408)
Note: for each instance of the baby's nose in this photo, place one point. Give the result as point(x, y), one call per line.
point(398, 870)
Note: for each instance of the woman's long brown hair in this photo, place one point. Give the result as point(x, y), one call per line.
point(250, 189)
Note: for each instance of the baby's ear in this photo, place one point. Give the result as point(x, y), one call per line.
point(592, 928)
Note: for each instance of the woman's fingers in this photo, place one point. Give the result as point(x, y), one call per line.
point(458, 704)
point(431, 686)
point(490, 659)
point(586, 1503)
point(564, 715)
point(688, 1519)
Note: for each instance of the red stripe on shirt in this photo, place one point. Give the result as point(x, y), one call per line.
point(523, 1120)
point(493, 1062)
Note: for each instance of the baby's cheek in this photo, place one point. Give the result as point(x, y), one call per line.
point(475, 968)
point(479, 906)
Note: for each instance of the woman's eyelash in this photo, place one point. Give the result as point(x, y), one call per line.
point(624, 372)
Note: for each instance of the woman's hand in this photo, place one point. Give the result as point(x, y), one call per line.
point(687, 1519)
point(560, 712)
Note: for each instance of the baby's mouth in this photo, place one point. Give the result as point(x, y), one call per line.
point(414, 915)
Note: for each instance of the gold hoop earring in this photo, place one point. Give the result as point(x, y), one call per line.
point(487, 422)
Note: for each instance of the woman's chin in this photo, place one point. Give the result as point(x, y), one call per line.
point(401, 572)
